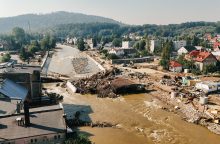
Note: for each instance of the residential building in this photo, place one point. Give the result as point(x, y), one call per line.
point(127, 44)
point(154, 44)
point(202, 58)
point(185, 50)
point(174, 66)
point(123, 51)
point(199, 47)
point(27, 76)
point(179, 44)
point(116, 51)
point(71, 40)
point(217, 54)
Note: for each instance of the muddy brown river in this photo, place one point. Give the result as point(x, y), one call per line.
point(139, 118)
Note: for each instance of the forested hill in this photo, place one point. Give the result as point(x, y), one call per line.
point(188, 29)
point(40, 21)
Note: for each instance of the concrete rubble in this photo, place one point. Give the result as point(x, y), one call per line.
point(108, 84)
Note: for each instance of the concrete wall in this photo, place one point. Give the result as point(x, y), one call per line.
point(137, 60)
point(40, 139)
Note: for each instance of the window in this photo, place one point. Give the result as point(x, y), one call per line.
point(32, 140)
point(55, 137)
point(58, 136)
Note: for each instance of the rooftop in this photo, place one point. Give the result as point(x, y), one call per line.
point(13, 90)
point(20, 69)
point(175, 64)
point(45, 122)
point(7, 108)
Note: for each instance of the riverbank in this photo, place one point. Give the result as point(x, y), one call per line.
point(140, 117)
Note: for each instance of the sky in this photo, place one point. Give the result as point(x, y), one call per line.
point(135, 12)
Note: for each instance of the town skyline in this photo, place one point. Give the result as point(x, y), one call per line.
point(126, 11)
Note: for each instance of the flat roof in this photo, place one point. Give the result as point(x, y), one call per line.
point(7, 108)
point(20, 69)
point(49, 121)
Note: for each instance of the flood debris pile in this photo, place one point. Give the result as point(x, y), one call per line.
point(138, 75)
point(167, 80)
point(107, 84)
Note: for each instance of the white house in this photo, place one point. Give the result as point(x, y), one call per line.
point(179, 44)
point(174, 66)
point(182, 50)
point(185, 50)
point(208, 86)
point(116, 51)
point(216, 54)
point(71, 40)
point(127, 44)
point(154, 44)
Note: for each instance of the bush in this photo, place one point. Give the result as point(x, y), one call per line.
point(196, 71)
point(78, 139)
point(210, 69)
point(5, 58)
point(112, 56)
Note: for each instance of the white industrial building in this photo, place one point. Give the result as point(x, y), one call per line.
point(179, 44)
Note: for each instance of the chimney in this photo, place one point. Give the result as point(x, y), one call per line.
point(26, 114)
point(18, 107)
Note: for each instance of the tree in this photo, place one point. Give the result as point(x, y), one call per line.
point(195, 41)
point(166, 53)
point(81, 44)
point(148, 43)
point(23, 54)
point(187, 64)
point(52, 42)
point(19, 35)
point(117, 42)
point(210, 69)
point(142, 45)
point(94, 41)
point(218, 27)
point(6, 57)
point(79, 139)
point(112, 56)
point(32, 49)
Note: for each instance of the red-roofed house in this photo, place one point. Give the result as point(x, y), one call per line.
point(202, 58)
point(174, 66)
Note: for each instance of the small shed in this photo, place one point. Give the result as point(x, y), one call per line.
point(174, 66)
